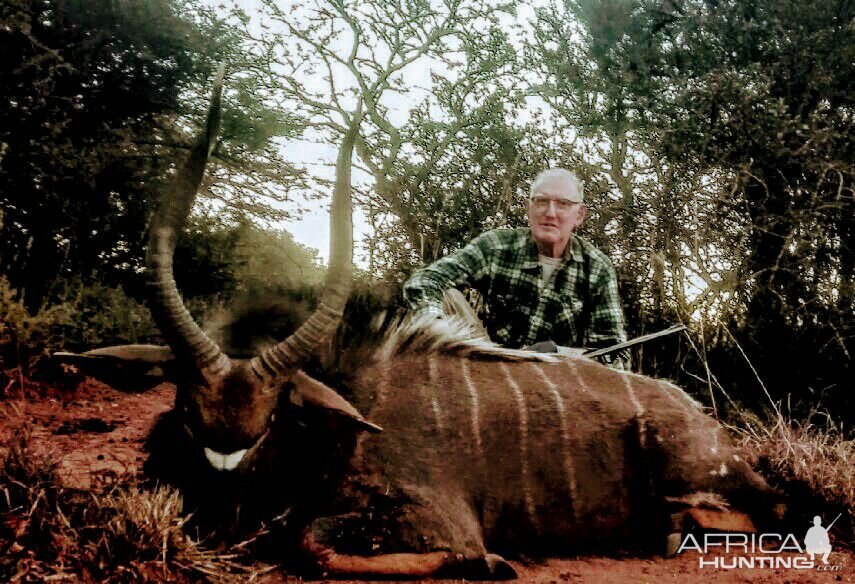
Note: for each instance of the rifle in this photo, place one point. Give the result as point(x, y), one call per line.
point(827, 529)
point(574, 352)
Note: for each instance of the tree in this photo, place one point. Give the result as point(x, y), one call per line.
point(766, 93)
point(96, 96)
point(220, 259)
point(464, 172)
point(750, 105)
point(449, 64)
point(646, 211)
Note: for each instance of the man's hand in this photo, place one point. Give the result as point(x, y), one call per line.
point(543, 347)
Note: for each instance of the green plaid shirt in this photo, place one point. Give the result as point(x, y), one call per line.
point(577, 307)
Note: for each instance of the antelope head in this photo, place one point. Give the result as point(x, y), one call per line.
point(227, 405)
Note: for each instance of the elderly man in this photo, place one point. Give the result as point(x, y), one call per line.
point(541, 283)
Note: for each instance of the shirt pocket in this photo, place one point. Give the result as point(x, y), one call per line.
point(568, 319)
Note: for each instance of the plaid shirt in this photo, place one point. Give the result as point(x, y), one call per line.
point(577, 307)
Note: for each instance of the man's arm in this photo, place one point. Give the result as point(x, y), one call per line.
point(424, 290)
point(606, 325)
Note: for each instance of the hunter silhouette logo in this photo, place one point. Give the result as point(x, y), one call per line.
point(727, 551)
point(816, 539)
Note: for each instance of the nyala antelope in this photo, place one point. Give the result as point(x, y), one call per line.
point(447, 452)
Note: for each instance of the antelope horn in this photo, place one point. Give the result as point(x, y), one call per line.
point(282, 359)
point(180, 331)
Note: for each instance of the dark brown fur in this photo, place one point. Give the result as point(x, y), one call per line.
point(530, 481)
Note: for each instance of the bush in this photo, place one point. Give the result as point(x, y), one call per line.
point(81, 317)
point(812, 464)
point(99, 316)
point(24, 338)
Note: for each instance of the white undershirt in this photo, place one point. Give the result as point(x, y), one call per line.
point(548, 266)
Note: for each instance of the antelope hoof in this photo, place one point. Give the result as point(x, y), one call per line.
point(672, 544)
point(498, 568)
point(487, 567)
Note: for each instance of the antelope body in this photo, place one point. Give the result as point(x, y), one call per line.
point(446, 449)
point(535, 456)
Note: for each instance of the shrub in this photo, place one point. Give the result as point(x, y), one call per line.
point(100, 316)
point(814, 465)
point(24, 338)
point(80, 318)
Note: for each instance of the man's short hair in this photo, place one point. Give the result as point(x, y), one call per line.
point(553, 176)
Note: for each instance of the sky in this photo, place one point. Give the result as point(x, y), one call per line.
point(312, 226)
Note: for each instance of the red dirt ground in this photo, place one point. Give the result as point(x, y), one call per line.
point(95, 434)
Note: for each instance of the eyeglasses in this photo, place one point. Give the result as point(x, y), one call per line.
point(561, 205)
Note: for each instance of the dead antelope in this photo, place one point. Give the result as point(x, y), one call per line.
point(465, 450)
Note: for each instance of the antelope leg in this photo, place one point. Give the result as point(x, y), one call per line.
point(318, 545)
point(385, 565)
point(432, 564)
point(429, 536)
point(442, 564)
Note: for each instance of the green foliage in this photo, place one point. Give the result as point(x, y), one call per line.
point(218, 263)
point(94, 101)
point(763, 90)
point(80, 317)
point(439, 168)
point(461, 176)
point(717, 139)
point(467, 159)
point(96, 315)
point(25, 337)
point(274, 262)
point(84, 87)
point(217, 258)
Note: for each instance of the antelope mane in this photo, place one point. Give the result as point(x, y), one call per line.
point(426, 334)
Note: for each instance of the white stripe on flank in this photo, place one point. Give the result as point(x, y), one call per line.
point(524, 463)
point(681, 404)
point(714, 446)
point(639, 411)
point(382, 383)
point(473, 395)
point(572, 365)
point(686, 399)
point(432, 390)
point(569, 471)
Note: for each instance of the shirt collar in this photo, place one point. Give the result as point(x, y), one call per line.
point(574, 249)
point(529, 253)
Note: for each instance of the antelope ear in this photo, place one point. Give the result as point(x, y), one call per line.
point(125, 367)
point(312, 393)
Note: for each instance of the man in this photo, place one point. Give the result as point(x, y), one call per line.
point(817, 540)
point(540, 283)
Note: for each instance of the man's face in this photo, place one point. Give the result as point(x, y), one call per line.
point(553, 216)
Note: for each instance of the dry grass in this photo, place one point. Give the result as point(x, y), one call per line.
point(49, 533)
point(813, 464)
point(127, 533)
